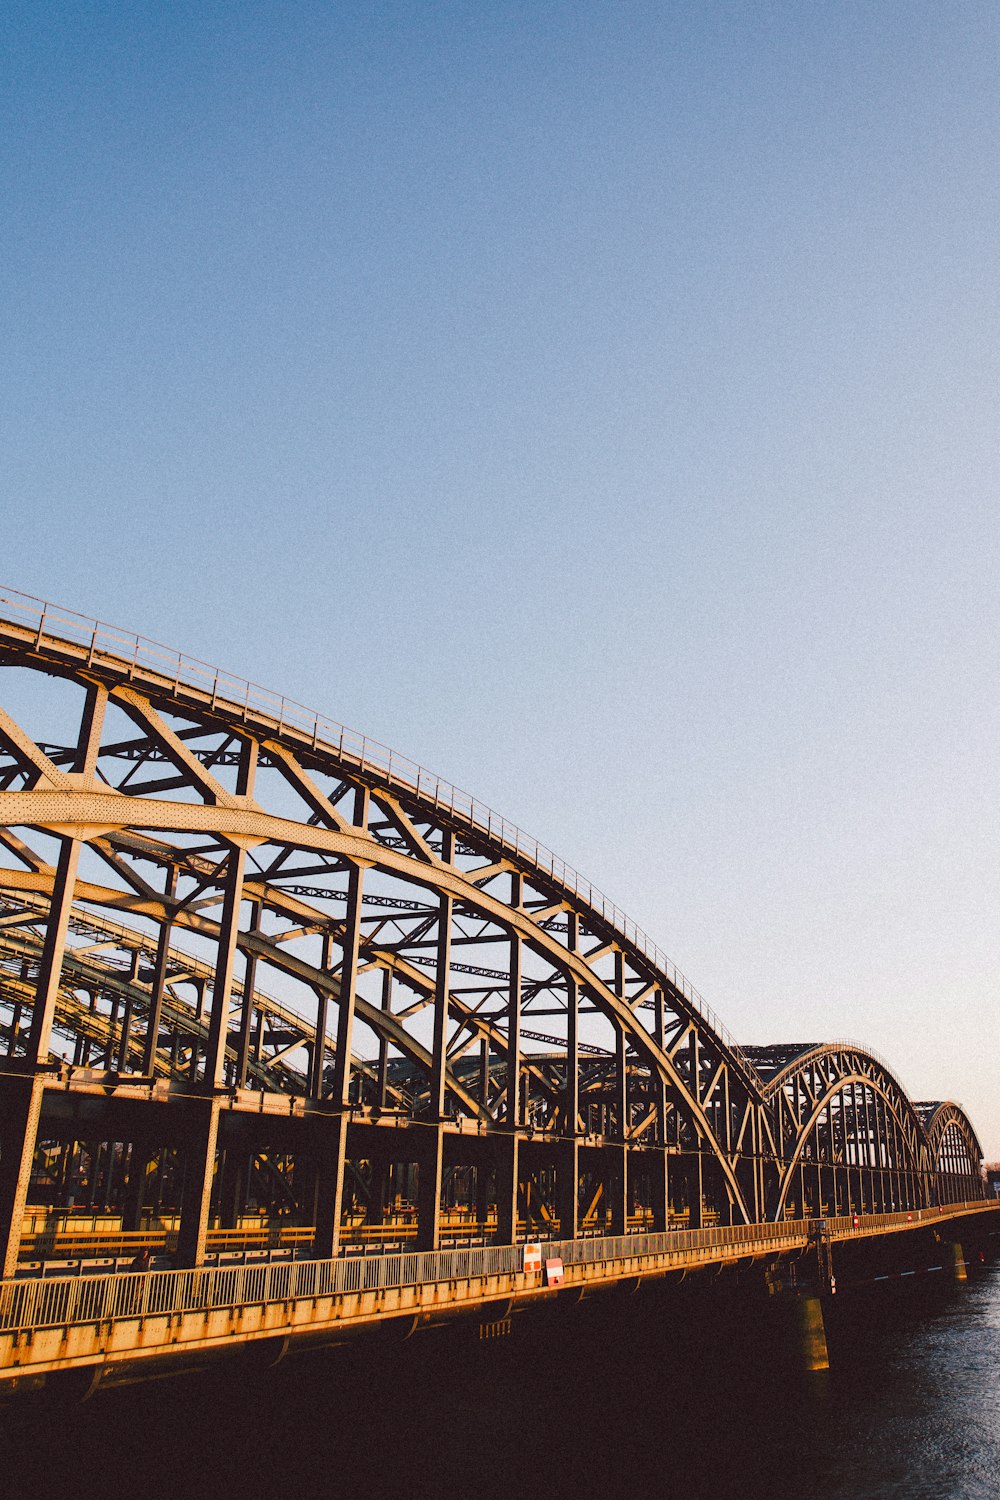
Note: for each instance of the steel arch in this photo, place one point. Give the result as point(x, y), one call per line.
point(839, 1107)
point(186, 829)
point(955, 1154)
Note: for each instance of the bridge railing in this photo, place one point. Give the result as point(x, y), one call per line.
point(36, 1303)
point(139, 658)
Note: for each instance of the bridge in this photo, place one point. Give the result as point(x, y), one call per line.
point(332, 1042)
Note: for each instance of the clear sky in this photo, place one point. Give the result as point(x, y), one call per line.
point(595, 401)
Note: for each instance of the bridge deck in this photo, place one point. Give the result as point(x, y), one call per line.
point(119, 1323)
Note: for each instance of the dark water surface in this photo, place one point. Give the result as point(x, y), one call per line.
point(699, 1392)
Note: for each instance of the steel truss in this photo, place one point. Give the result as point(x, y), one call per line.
point(260, 962)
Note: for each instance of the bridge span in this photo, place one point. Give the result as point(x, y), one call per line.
point(266, 983)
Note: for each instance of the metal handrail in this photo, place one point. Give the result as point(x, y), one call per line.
point(36, 1303)
point(137, 655)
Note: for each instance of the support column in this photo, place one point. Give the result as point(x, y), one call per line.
point(812, 1333)
point(246, 1010)
point(568, 1189)
point(139, 1159)
point(616, 1176)
point(659, 1170)
point(22, 1106)
point(158, 984)
point(482, 1197)
point(382, 1094)
point(50, 968)
point(507, 1146)
point(431, 1171)
point(568, 1161)
point(381, 1183)
point(659, 1183)
point(332, 1130)
point(696, 1186)
point(199, 1170)
point(432, 1148)
point(507, 1180)
point(222, 983)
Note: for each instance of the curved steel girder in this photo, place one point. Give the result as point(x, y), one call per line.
point(822, 1050)
point(144, 691)
point(84, 973)
point(295, 967)
point(841, 1082)
point(272, 953)
point(89, 812)
point(950, 1113)
point(836, 1051)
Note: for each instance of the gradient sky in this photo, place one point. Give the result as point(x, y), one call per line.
point(597, 402)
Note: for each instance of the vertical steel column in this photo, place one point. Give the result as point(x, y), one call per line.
point(202, 1134)
point(507, 1144)
point(88, 744)
point(50, 967)
point(432, 1151)
point(15, 1013)
point(332, 1146)
point(246, 1009)
point(222, 983)
point(442, 978)
point(429, 1178)
point(222, 980)
point(383, 1043)
point(616, 1175)
point(133, 980)
point(484, 1070)
point(23, 1096)
point(568, 1166)
point(696, 1183)
point(659, 1173)
point(866, 1093)
point(21, 1099)
point(317, 1056)
point(203, 1114)
point(109, 1045)
point(139, 1158)
point(159, 980)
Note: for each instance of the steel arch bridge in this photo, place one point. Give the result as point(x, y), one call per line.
point(253, 962)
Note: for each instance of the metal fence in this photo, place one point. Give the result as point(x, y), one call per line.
point(32, 1304)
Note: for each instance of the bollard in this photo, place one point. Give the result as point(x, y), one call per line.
point(958, 1270)
point(812, 1333)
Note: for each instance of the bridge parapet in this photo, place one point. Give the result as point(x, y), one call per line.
point(137, 1323)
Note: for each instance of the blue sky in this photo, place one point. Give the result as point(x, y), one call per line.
point(598, 402)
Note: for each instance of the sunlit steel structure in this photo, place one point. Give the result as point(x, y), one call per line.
point(252, 960)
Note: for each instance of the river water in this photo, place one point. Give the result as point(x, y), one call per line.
point(697, 1393)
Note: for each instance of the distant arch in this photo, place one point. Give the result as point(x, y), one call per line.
point(956, 1155)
